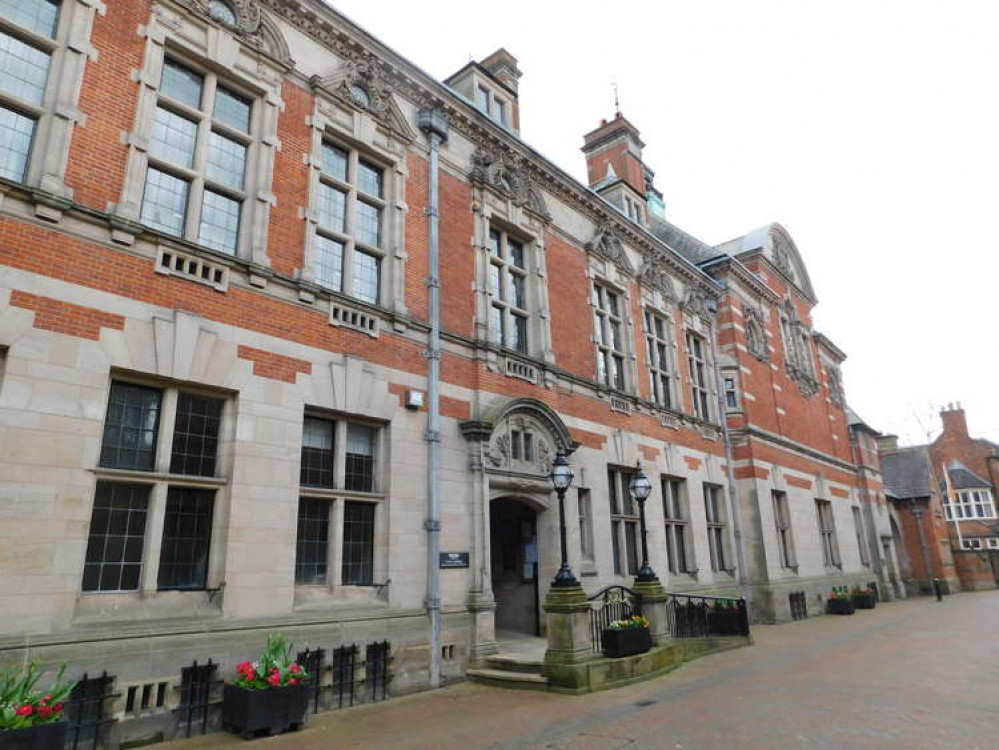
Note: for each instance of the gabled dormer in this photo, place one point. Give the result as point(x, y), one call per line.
point(492, 86)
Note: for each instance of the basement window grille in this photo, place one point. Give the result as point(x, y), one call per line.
point(86, 712)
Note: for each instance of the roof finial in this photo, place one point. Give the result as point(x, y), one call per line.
point(617, 103)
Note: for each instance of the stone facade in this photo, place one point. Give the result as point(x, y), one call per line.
point(569, 323)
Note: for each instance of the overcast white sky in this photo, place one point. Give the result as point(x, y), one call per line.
point(868, 129)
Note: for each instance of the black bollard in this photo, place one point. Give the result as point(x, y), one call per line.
point(938, 589)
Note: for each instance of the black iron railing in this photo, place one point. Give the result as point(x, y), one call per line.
point(799, 605)
point(195, 697)
point(85, 711)
point(698, 616)
point(376, 663)
point(608, 605)
point(344, 671)
point(313, 661)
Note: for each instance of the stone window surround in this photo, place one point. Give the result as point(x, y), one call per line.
point(602, 271)
point(58, 113)
point(334, 592)
point(784, 524)
point(360, 138)
point(206, 48)
point(681, 525)
point(671, 369)
point(732, 374)
point(518, 225)
point(160, 479)
point(862, 550)
point(719, 543)
point(828, 540)
point(708, 386)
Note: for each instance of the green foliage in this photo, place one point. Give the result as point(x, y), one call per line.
point(24, 704)
point(635, 621)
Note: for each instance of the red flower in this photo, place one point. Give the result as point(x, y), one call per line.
point(292, 681)
point(45, 701)
point(250, 675)
point(274, 679)
point(244, 667)
point(57, 707)
point(45, 711)
point(25, 710)
point(295, 669)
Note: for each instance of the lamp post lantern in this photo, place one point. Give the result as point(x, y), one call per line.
point(640, 488)
point(561, 476)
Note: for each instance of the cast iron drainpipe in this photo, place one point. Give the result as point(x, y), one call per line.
point(434, 123)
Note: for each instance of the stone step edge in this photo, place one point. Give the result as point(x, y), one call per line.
point(513, 664)
point(501, 675)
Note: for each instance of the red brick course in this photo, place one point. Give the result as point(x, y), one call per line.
point(63, 317)
point(274, 366)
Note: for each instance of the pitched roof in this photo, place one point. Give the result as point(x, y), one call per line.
point(963, 478)
point(685, 244)
point(906, 472)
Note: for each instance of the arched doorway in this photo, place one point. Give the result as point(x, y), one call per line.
point(513, 543)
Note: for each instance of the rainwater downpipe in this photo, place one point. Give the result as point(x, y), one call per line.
point(435, 125)
point(733, 495)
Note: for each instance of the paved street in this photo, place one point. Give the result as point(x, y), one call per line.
point(913, 674)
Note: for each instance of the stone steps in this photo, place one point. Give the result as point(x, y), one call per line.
point(522, 663)
point(508, 679)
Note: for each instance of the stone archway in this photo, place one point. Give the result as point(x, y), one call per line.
point(511, 452)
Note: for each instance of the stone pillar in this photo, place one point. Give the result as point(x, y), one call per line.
point(654, 599)
point(567, 615)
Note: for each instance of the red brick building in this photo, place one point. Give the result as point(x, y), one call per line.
point(217, 336)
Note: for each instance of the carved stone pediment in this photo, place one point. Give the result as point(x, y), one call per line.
point(835, 382)
point(504, 173)
point(654, 273)
point(243, 18)
point(362, 82)
point(520, 444)
point(696, 303)
point(607, 243)
point(782, 257)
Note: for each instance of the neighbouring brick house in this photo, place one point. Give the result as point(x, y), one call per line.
point(951, 518)
point(214, 341)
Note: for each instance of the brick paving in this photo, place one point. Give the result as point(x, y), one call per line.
point(912, 674)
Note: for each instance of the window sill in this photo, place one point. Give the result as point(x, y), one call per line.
point(149, 477)
point(332, 494)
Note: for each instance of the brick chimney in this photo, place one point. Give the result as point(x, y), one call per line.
point(954, 422)
point(615, 148)
point(492, 85)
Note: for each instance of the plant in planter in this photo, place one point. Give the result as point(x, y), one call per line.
point(840, 602)
point(626, 637)
point(31, 717)
point(863, 598)
point(269, 694)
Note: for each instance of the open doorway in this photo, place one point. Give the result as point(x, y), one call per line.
point(514, 555)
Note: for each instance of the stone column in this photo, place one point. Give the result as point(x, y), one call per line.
point(654, 598)
point(481, 604)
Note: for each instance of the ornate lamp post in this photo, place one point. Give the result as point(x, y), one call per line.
point(640, 487)
point(561, 476)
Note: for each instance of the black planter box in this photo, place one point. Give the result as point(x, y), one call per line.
point(864, 601)
point(840, 607)
point(275, 710)
point(625, 642)
point(50, 736)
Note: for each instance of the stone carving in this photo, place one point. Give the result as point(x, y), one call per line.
point(608, 244)
point(505, 173)
point(363, 83)
point(247, 22)
point(696, 302)
point(782, 257)
point(544, 456)
point(498, 451)
point(756, 337)
point(835, 382)
point(654, 273)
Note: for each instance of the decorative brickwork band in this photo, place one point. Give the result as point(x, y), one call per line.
point(63, 317)
point(274, 366)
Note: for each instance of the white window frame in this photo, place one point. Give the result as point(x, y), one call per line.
point(204, 47)
point(69, 50)
point(716, 520)
point(196, 176)
point(858, 524)
point(699, 374)
point(604, 319)
point(655, 345)
point(676, 519)
point(500, 298)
